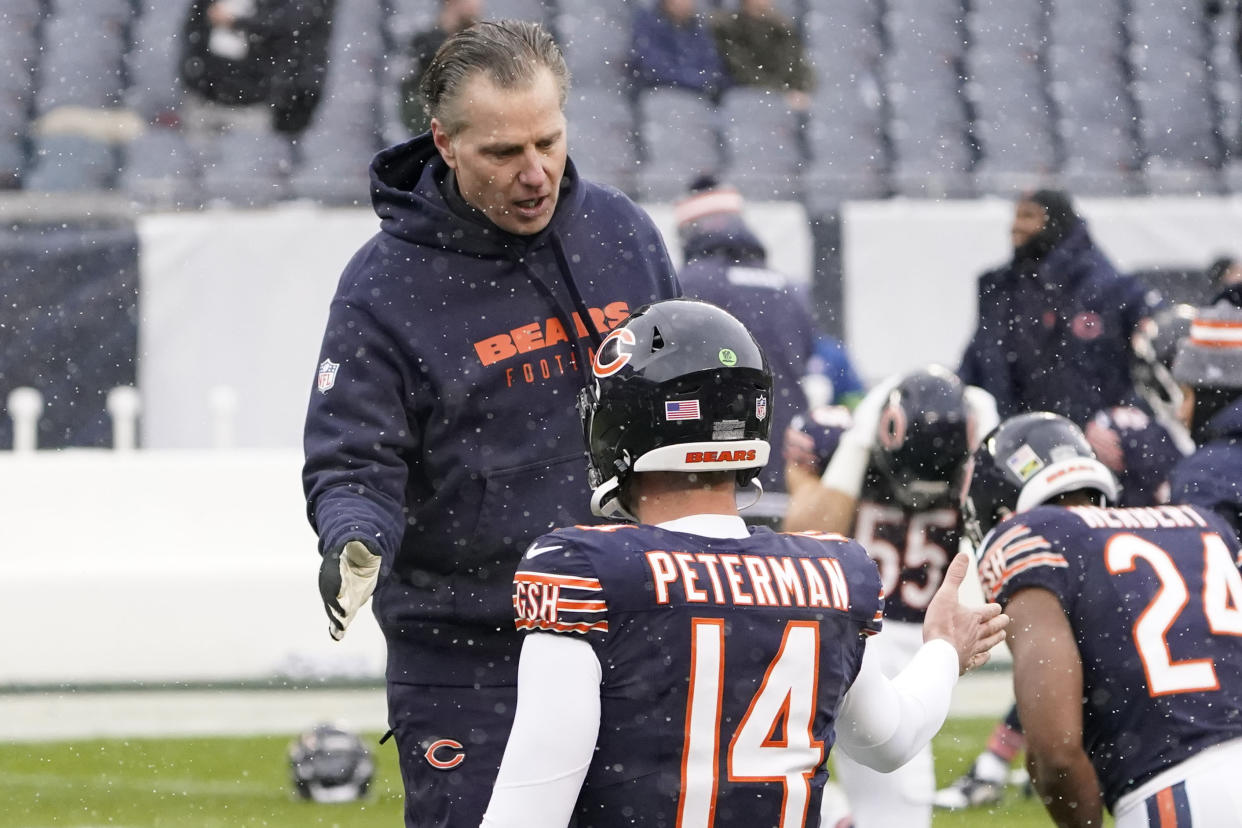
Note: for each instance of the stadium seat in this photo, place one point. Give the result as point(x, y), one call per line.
point(247, 168)
point(602, 136)
point(1090, 90)
point(154, 57)
point(1013, 121)
point(764, 155)
point(160, 171)
point(680, 137)
point(928, 128)
point(596, 41)
point(71, 163)
point(84, 43)
point(338, 145)
point(1226, 73)
point(845, 132)
point(1172, 87)
point(518, 10)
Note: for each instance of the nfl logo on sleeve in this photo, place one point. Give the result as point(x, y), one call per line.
point(327, 375)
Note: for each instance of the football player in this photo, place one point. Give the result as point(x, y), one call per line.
point(1126, 636)
point(1208, 369)
point(889, 485)
point(1141, 443)
point(689, 669)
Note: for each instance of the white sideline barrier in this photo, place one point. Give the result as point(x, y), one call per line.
point(165, 566)
point(911, 266)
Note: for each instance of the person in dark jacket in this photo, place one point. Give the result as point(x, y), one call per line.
point(1055, 324)
point(1208, 368)
point(670, 45)
point(761, 47)
point(442, 436)
point(454, 16)
point(726, 264)
point(269, 55)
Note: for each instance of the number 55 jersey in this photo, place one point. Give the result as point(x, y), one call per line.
point(724, 665)
point(1154, 596)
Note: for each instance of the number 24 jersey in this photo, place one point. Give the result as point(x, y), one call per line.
point(1154, 596)
point(724, 663)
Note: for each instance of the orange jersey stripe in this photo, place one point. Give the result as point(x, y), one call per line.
point(1050, 559)
point(1024, 546)
point(1011, 534)
point(1167, 808)
point(560, 626)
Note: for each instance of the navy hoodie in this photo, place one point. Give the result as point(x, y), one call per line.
point(1054, 335)
point(442, 430)
point(1212, 476)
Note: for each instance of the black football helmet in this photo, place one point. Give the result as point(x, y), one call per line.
point(922, 437)
point(329, 764)
point(680, 385)
point(1025, 461)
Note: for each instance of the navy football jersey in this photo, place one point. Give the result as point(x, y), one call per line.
point(1154, 597)
point(912, 548)
point(824, 425)
point(724, 664)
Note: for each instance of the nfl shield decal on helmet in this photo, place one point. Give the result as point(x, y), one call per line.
point(327, 375)
point(761, 407)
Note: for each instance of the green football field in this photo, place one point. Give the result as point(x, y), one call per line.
point(232, 782)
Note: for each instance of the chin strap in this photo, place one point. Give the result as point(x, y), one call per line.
point(758, 487)
point(606, 501)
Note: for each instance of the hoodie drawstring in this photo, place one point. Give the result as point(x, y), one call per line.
point(575, 296)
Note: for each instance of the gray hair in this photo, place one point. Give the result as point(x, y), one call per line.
point(510, 52)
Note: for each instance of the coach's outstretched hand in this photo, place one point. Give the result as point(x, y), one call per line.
point(347, 578)
point(972, 631)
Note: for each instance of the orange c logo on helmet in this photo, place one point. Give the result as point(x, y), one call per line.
point(442, 746)
point(622, 336)
point(892, 430)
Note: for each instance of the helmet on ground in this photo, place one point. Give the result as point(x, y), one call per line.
point(329, 764)
point(922, 437)
point(1028, 460)
point(680, 385)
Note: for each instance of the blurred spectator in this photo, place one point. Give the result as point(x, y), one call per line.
point(760, 47)
point(454, 16)
point(841, 384)
point(671, 46)
point(254, 64)
point(726, 264)
point(1056, 322)
point(1223, 274)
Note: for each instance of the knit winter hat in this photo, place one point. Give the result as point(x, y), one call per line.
point(1211, 357)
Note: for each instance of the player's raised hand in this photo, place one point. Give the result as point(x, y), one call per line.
point(347, 577)
point(973, 631)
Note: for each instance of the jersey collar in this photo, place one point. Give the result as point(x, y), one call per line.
point(709, 526)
